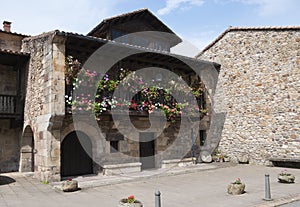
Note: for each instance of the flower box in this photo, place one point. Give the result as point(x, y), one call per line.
point(288, 178)
point(124, 203)
point(236, 188)
point(285, 177)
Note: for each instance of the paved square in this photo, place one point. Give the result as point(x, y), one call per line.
point(205, 187)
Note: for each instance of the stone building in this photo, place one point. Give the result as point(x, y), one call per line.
point(37, 132)
point(253, 103)
point(259, 91)
point(12, 95)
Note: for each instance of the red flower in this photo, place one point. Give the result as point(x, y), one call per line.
point(131, 197)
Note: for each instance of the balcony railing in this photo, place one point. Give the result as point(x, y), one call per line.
point(7, 105)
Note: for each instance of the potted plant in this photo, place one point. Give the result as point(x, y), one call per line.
point(69, 185)
point(236, 188)
point(226, 158)
point(221, 158)
point(130, 201)
point(216, 156)
point(285, 177)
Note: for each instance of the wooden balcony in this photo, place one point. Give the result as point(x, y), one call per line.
point(8, 107)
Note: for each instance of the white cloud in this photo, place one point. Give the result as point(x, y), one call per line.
point(271, 7)
point(36, 16)
point(175, 4)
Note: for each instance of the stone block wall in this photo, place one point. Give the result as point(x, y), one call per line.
point(9, 146)
point(168, 142)
point(10, 41)
point(44, 104)
point(259, 89)
point(8, 80)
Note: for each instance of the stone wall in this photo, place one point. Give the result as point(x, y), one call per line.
point(10, 41)
point(259, 89)
point(8, 83)
point(9, 137)
point(9, 146)
point(169, 142)
point(44, 103)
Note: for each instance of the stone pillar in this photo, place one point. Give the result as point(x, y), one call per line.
point(45, 104)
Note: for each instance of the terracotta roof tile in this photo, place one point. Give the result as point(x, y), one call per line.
point(14, 52)
point(125, 14)
point(129, 14)
point(92, 38)
point(14, 33)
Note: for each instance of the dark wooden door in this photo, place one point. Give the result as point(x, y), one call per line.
point(75, 159)
point(147, 150)
point(32, 155)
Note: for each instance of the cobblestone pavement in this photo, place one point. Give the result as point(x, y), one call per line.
point(201, 186)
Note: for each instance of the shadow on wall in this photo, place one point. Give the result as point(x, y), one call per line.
point(4, 180)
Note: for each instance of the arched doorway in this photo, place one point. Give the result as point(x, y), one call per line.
point(76, 155)
point(27, 151)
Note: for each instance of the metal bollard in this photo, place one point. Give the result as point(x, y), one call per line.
point(157, 199)
point(267, 188)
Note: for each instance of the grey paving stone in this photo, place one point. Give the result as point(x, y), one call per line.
point(190, 187)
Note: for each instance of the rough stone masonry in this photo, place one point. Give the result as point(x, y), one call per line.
point(259, 89)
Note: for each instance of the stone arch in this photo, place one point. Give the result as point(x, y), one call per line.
point(76, 154)
point(27, 156)
point(98, 143)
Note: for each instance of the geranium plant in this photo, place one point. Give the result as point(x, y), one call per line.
point(131, 199)
point(286, 177)
point(237, 181)
point(285, 173)
point(236, 187)
point(147, 97)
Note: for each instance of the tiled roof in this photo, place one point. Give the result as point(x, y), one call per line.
point(14, 52)
point(234, 29)
point(126, 14)
point(14, 33)
point(130, 15)
point(114, 42)
point(62, 33)
point(115, 17)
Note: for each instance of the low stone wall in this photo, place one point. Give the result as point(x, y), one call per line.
point(178, 162)
point(125, 168)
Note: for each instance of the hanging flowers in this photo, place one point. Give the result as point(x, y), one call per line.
point(146, 99)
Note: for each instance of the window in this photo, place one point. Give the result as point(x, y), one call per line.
point(114, 146)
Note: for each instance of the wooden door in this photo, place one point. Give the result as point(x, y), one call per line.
point(75, 159)
point(147, 150)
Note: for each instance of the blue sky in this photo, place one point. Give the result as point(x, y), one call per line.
point(197, 21)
